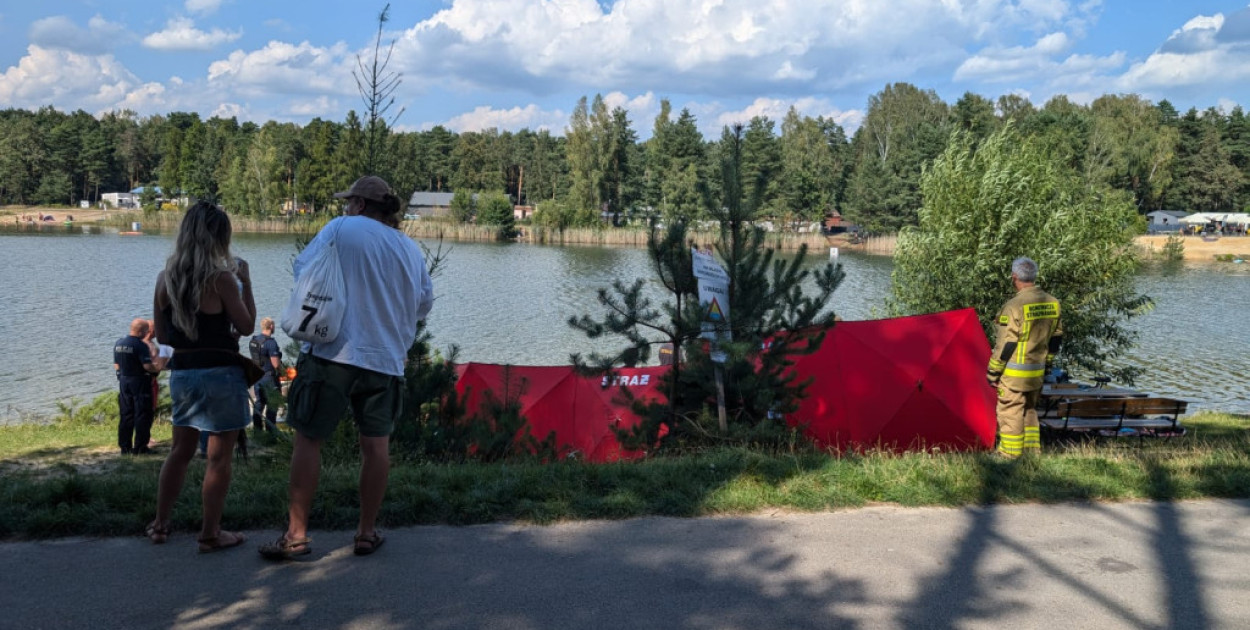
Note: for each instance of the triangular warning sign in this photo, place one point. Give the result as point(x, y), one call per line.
point(713, 311)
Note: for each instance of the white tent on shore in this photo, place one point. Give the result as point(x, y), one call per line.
point(1225, 218)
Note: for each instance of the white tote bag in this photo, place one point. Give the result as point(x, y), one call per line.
point(315, 310)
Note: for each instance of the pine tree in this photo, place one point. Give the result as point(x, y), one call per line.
point(377, 86)
point(97, 158)
point(349, 155)
point(772, 320)
point(585, 166)
point(811, 170)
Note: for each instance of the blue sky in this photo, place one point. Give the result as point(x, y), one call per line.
point(473, 64)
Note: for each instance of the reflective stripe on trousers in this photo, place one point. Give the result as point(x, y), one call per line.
point(1032, 438)
point(1011, 444)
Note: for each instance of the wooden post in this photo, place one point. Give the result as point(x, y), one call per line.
point(723, 422)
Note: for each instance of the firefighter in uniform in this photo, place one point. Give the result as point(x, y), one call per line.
point(1029, 335)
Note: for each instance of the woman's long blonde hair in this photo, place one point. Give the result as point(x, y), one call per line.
point(200, 253)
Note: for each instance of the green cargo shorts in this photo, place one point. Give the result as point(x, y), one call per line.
point(323, 391)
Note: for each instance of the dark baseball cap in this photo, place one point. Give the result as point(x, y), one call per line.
point(369, 187)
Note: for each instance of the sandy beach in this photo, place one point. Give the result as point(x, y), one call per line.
point(11, 214)
point(1199, 250)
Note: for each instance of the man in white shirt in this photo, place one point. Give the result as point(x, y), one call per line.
point(389, 292)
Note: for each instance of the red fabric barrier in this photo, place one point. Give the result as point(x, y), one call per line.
point(581, 410)
point(902, 384)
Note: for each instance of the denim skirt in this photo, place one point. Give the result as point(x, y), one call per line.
point(210, 399)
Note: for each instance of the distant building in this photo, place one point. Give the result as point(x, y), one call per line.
point(120, 200)
point(430, 204)
point(522, 212)
point(1166, 217)
point(833, 223)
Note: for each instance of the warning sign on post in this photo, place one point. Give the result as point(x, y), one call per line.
point(713, 295)
point(706, 267)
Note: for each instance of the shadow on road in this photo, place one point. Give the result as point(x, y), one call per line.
point(646, 573)
point(967, 591)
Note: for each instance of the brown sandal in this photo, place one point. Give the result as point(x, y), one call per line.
point(367, 544)
point(215, 543)
point(158, 534)
point(284, 549)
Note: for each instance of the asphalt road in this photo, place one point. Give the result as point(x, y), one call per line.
point(1136, 565)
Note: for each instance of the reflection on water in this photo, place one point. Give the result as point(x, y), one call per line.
point(68, 297)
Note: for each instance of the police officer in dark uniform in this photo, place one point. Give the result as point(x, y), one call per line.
point(132, 358)
point(266, 355)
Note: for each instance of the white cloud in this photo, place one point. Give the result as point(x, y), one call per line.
point(230, 110)
point(313, 107)
point(180, 34)
point(642, 109)
point(531, 116)
point(1196, 35)
point(1042, 62)
point(1207, 52)
point(71, 80)
point(60, 32)
point(776, 110)
point(1209, 67)
point(202, 7)
point(723, 47)
point(788, 71)
point(641, 102)
point(281, 68)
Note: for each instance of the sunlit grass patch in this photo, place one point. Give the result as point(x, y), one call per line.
point(48, 490)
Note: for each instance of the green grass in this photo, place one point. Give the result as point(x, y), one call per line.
point(46, 491)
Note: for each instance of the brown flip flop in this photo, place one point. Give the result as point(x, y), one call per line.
point(215, 543)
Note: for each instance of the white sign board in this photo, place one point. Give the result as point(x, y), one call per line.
point(706, 267)
point(713, 295)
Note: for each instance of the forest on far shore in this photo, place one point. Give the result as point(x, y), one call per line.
point(803, 168)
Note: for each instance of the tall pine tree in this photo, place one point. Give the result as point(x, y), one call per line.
point(772, 320)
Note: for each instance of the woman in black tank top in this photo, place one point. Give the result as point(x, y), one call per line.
point(203, 302)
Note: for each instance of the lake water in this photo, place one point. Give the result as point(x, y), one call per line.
point(65, 298)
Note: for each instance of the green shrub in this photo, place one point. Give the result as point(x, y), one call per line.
point(1174, 248)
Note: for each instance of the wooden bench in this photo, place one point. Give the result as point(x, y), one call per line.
point(1157, 416)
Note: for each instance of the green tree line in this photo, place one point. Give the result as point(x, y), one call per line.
point(598, 169)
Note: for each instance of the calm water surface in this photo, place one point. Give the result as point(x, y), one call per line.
point(65, 299)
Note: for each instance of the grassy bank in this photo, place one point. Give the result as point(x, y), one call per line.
point(63, 479)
